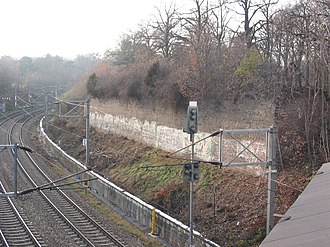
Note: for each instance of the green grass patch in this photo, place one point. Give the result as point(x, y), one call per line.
point(149, 176)
point(206, 177)
point(254, 240)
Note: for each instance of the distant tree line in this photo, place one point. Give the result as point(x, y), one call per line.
point(27, 72)
point(201, 54)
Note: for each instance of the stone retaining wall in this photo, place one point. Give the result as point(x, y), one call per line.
point(171, 139)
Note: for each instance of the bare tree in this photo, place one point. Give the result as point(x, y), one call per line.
point(219, 22)
point(165, 30)
point(302, 49)
point(199, 46)
point(251, 23)
point(131, 49)
point(266, 28)
point(145, 34)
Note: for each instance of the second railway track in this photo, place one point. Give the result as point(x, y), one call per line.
point(79, 227)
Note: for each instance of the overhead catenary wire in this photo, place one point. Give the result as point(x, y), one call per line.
point(165, 156)
point(187, 146)
point(244, 181)
point(71, 133)
point(127, 155)
point(50, 185)
point(93, 107)
point(134, 157)
point(91, 141)
point(141, 131)
point(196, 142)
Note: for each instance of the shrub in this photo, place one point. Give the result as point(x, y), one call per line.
point(91, 85)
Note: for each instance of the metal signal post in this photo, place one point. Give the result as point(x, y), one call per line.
point(191, 194)
point(190, 127)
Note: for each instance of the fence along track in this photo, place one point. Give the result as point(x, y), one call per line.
point(86, 229)
point(13, 229)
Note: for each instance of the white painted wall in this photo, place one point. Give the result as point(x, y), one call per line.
point(171, 139)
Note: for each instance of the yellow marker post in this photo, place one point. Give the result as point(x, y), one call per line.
point(86, 185)
point(153, 222)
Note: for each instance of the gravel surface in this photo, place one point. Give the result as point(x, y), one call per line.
point(46, 223)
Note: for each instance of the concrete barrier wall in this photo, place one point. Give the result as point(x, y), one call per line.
point(155, 135)
point(175, 233)
point(171, 139)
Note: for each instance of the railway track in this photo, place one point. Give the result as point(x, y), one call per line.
point(14, 230)
point(82, 229)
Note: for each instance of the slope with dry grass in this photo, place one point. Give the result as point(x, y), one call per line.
point(230, 204)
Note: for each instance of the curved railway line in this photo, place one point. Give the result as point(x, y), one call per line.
point(15, 229)
point(81, 229)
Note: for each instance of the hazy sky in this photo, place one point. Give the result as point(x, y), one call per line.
point(70, 27)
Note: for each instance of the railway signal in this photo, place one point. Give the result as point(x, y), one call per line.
point(191, 171)
point(190, 125)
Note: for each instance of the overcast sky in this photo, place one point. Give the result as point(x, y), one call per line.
point(68, 28)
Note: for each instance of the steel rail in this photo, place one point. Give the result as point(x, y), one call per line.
point(24, 236)
point(72, 204)
point(45, 197)
point(17, 226)
point(3, 239)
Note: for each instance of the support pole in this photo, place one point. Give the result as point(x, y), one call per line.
point(15, 100)
point(271, 181)
point(15, 169)
point(60, 109)
point(46, 112)
point(87, 133)
point(221, 147)
point(191, 196)
point(56, 92)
